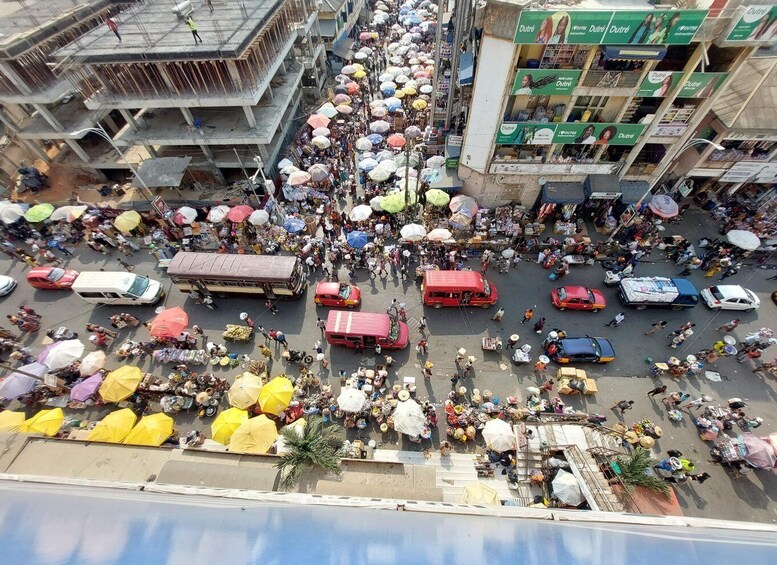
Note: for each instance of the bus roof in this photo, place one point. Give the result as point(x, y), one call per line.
point(360, 323)
point(468, 280)
point(273, 268)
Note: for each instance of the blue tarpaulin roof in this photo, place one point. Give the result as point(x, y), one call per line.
point(563, 193)
point(633, 190)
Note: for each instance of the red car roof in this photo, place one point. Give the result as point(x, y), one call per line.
point(576, 291)
point(328, 288)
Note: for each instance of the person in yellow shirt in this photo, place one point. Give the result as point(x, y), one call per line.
point(193, 28)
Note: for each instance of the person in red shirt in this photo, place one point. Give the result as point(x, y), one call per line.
point(113, 27)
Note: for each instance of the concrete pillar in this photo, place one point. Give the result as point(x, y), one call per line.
point(130, 119)
point(283, 66)
point(235, 75)
point(151, 150)
point(49, 117)
point(269, 91)
point(263, 153)
point(33, 148)
point(73, 144)
point(187, 115)
point(113, 127)
point(249, 112)
point(17, 81)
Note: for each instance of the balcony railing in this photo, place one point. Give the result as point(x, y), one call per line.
point(612, 79)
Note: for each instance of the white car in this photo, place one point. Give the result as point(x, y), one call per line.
point(730, 297)
point(7, 284)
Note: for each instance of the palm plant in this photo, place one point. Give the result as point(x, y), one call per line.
point(634, 469)
point(317, 446)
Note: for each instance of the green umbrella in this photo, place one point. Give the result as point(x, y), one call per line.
point(39, 212)
point(393, 202)
point(437, 197)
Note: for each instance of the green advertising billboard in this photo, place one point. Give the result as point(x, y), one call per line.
point(658, 27)
point(658, 84)
point(531, 133)
point(533, 82)
point(758, 23)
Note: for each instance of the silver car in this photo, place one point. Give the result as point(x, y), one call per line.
point(7, 284)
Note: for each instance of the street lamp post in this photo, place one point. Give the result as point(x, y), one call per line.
point(99, 130)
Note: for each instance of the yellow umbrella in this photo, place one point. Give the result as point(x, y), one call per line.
point(419, 104)
point(151, 430)
point(11, 421)
point(276, 395)
point(359, 74)
point(127, 221)
point(121, 383)
point(226, 423)
point(254, 436)
point(479, 494)
point(244, 392)
point(409, 90)
point(45, 422)
point(114, 427)
point(399, 94)
point(358, 66)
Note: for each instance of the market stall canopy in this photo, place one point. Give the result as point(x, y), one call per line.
point(169, 323)
point(276, 395)
point(152, 430)
point(39, 212)
point(562, 193)
point(244, 392)
point(255, 435)
point(86, 389)
point(127, 221)
point(11, 421)
point(351, 400)
point(499, 435)
point(632, 191)
point(567, 489)
point(161, 172)
point(480, 494)
point(446, 179)
point(439, 234)
point(227, 423)
point(114, 427)
point(602, 187)
point(121, 383)
point(760, 453)
point(218, 213)
point(68, 213)
point(17, 383)
point(743, 239)
point(663, 206)
point(60, 354)
point(409, 418)
point(46, 422)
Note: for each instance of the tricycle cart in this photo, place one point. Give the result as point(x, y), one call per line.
point(491, 343)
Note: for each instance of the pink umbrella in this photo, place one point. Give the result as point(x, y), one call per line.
point(169, 323)
point(318, 121)
point(397, 140)
point(239, 213)
point(185, 215)
point(760, 453)
point(341, 99)
point(86, 389)
point(464, 205)
point(663, 206)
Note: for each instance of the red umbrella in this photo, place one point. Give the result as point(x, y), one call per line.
point(352, 87)
point(239, 213)
point(397, 140)
point(169, 323)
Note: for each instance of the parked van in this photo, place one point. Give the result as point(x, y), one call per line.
point(103, 287)
point(457, 288)
point(359, 330)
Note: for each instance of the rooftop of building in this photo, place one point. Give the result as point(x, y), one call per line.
point(153, 32)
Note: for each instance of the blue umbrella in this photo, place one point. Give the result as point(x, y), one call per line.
point(358, 239)
point(294, 225)
point(375, 138)
point(404, 10)
point(393, 107)
point(389, 91)
point(414, 20)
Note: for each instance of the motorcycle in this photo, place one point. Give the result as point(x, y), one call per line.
point(522, 355)
point(612, 278)
point(295, 356)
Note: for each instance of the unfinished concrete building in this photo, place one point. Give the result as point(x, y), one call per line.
point(222, 101)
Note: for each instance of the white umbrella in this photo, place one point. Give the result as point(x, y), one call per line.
point(380, 126)
point(288, 169)
point(405, 171)
point(426, 89)
point(360, 213)
point(499, 435)
point(64, 213)
point(435, 161)
point(367, 164)
point(412, 232)
point(61, 354)
point(284, 163)
point(325, 132)
point(321, 142)
point(319, 172)
point(218, 213)
point(375, 203)
point(379, 103)
point(351, 400)
point(11, 213)
point(409, 418)
point(743, 239)
point(508, 253)
point(328, 110)
point(379, 174)
point(363, 144)
point(439, 234)
point(92, 363)
point(567, 489)
point(187, 214)
point(258, 218)
point(387, 163)
point(298, 178)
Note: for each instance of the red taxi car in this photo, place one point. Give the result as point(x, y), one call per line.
point(577, 298)
point(51, 278)
point(340, 295)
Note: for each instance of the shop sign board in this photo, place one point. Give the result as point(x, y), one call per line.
point(554, 168)
point(658, 84)
point(758, 24)
point(597, 27)
point(533, 82)
point(532, 133)
point(669, 130)
point(753, 171)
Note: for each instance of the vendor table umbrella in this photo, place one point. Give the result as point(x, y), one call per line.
point(244, 392)
point(396, 140)
point(226, 424)
point(386, 161)
point(435, 161)
point(743, 239)
point(325, 132)
point(255, 435)
point(760, 453)
point(16, 384)
point(360, 213)
point(439, 234)
point(499, 435)
point(375, 138)
point(320, 120)
point(218, 213)
point(341, 99)
point(465, 205)
point(379, 174)
point(359, 74)
point(663, 206)
point(121, 383)
point(419, 104)
point(11, 213)
point(413, 132)
point(46, 422)
point(363, 144)
point(344, 109)
point(276, 395)
point(294, 225)
point(152, 430)
point(379, 112)
point(185, 215)
point(239, 213)
point(375, 203)
point(392, 203)
point(169, 323)
point(388, 90)
point(380, 126)
point(351, 400)
point(437, 197)
point(11, 421)
point(284, 163)
point(69, 213)
point(352, 87)
point(413, 232)
point(39, 212)
point(426, 89)
point(114, 427)
point(402, 172)
point(357, 239)
point(298, 178)
point(567, 489)
point(341, 89)
point(367, 164)
point(258, 218)
point(288, 169)
point(402, 160)
point(480, 494)
point(409, 418)
point(328, 111)
point(60, 354)
point(86, 389)
point(321, 142)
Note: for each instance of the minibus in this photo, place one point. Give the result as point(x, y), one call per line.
point(359, 330)
point(457, 288)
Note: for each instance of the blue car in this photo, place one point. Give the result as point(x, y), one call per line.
point(581, 350)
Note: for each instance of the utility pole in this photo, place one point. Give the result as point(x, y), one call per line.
point(251, 184)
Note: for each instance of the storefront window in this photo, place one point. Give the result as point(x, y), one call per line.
point(748, 150)
point(521, 153)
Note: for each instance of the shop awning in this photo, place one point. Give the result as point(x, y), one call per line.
point(634, 52)
point(448, 180)
point(633, 190)
point(563, 193)
point(162, 172)
point(466, 68)
point(343, 48)
point(602, 187)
